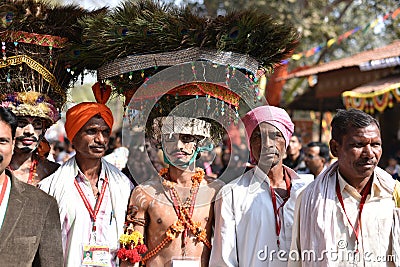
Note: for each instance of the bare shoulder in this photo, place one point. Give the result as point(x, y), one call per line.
point(46, 167)
point(216, 184)
point(210, 187)
point(144, 193)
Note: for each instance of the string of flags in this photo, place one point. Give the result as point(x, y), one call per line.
point(342, 37)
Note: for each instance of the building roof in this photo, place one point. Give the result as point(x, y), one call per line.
point(377, 58)
point(375, 88)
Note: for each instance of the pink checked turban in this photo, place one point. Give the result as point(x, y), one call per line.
point(79, 115)
point(278, 117)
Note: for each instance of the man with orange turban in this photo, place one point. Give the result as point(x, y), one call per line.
point(92, 194)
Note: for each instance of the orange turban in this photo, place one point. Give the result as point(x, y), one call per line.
point(79, 115)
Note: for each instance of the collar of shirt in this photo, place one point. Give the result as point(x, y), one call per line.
point(82, 178)
point(262, 177)
point(376, 189)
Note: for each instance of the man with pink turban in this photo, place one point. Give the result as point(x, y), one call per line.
point(255, 211)
point(92, 194)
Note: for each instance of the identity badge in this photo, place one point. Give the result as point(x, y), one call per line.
point(96, 255)
point(186, 262)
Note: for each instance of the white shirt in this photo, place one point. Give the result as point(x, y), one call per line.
point(374, 235)
point(245, 222)
point(76, 222)
point(81, 230)
point(4, 203)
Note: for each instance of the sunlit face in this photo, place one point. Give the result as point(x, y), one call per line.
point(294, 146)
point(6, 145)
point(92, 139)
point(359, 152)
point(179, 148)
point(28, 133)
point(313, 160)
point(267, 145)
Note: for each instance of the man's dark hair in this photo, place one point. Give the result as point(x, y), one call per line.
point(298, 135)
point(9, 117)
point(346, 120)
point(118, 134)
point(323, 149)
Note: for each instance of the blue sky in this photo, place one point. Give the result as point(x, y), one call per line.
point(92, 4)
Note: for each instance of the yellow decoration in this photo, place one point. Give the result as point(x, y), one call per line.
point(396, 194)
point(379, 99)
point(330, 42)
point(31, 103)
point(297, 56)
point(47, 76)
point(134, 237)
point(374, 23)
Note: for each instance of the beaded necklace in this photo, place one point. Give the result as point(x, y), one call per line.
point(32, 171)
point(184, 212)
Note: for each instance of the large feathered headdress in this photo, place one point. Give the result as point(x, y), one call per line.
point(138, 39)
point(34, 74)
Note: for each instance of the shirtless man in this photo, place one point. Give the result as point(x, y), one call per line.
point(175, 211)
point(28, 162)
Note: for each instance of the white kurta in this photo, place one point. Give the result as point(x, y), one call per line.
point(322, 229)
point(245, 222)
point(76, 222)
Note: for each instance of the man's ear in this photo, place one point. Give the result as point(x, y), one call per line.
point(333, 144)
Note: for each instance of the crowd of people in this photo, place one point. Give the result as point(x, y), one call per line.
point(189, 215)
point(176, 194)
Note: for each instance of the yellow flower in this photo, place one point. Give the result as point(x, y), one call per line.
point(129, 239)
point(29, 97)
point(124, 239)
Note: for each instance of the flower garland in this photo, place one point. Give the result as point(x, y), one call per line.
point(197, 177)
point(184, 214)
point(131, 245)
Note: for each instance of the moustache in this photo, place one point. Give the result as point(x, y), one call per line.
point(182, 151)
point(269, 151)
point(20, 138)
point(367, 162)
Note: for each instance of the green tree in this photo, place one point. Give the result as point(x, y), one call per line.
point(319, 21)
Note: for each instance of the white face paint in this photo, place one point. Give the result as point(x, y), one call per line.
point(179, 149)
point(28, 133)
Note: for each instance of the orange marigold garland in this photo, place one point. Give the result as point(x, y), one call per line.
point(196, 178)
point(131, 245)
point(184, 217)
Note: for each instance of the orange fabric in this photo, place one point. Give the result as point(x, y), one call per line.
point(80, 114)
point(43, 148)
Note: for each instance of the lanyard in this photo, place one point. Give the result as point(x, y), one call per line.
point(365, 192)
point(3, 189)
point(278, 223)
point(92, 213)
